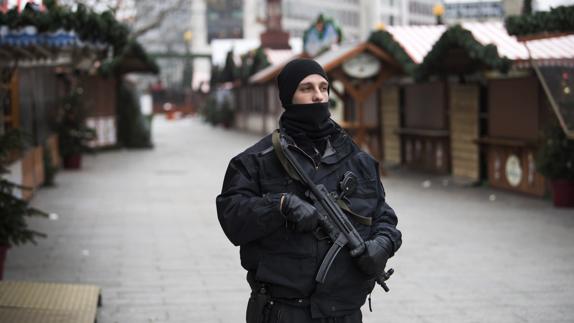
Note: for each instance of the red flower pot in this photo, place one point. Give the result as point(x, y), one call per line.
point(73, 161)
point(563, 193)
point(170, 115)
point(3, 251)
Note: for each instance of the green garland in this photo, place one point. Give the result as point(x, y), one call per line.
point(458, 37)
point(133, 50)
point(559, 19)
point(251, 63)
point(260, 61)
point(230, 70)
point(385, 41)
point(87, 24)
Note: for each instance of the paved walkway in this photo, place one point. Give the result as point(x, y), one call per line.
point(142, 225)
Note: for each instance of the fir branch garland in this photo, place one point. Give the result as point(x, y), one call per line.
point(133, 50)
point(14, 229)
point(88, 25)
point(557, 20)
point(458, 37)
point(385, 41)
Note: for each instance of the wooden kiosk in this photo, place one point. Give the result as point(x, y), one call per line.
point(362, 70)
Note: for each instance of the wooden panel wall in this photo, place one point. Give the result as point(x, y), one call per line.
point(100, 96)
point(425, 106)
point(464, 130)
point(531, 182)
point(32, 171)
point(513, 106)
point(428, 153)
point(54, 151)
point(390, 124)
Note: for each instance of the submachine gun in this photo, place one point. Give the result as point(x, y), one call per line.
point(333, 221)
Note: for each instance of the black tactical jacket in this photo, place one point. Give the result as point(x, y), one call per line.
point(287, 261)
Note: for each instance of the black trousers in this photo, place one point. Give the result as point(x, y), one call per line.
point(276, 311)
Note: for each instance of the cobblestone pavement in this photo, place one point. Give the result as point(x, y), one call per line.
point(142, 225)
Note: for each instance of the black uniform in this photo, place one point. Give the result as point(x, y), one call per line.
point(284, 261)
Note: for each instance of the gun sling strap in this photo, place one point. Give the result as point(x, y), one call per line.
point(275, 139)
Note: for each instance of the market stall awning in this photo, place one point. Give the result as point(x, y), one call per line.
point(132, 59)
point(457, 51)
point(329, 60)
point(277, 59)
point(417, 42)
point(28, 44)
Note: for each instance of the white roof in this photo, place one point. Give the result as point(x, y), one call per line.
point(220, 48)
point(417, 41)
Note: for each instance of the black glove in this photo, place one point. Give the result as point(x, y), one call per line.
point(301, 214)
point(374, 259)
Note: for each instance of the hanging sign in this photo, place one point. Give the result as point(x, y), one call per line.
point(323, 34)
point(513, 170)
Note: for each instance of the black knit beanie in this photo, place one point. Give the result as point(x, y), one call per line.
point(292, 74)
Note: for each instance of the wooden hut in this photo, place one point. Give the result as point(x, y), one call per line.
point(30, 94)
point(257, 103)
point(361, 70)
point(259, 106)
point(491, 132)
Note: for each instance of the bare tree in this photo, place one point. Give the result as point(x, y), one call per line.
point(141, 15)
point(159, 18)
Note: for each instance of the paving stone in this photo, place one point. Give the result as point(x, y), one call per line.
point(142, 225)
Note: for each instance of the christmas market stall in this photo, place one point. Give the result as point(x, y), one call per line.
point(426, 106)
point(32, 93)
point(257, 100)
point(54, 65)
point(552, 31)
point(493, 108)
point(357, 73)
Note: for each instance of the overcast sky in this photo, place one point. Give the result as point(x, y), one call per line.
point(546, 4)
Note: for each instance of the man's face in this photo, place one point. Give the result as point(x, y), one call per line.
point(312, 89)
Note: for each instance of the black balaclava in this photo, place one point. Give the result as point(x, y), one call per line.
point(308, 124)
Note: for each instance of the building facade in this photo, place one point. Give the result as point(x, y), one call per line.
point(457, 11)
point(359, 17)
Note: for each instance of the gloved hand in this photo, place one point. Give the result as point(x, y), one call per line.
point(301, 214)
point(374, 259)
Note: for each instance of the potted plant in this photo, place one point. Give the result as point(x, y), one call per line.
point(73, 134)
point(555, 160)
point(14, 230)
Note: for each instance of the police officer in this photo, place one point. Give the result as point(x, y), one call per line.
point(268, 214)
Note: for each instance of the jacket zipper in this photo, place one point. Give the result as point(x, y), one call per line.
point(304, 153)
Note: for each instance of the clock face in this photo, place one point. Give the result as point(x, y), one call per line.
point(362, 66)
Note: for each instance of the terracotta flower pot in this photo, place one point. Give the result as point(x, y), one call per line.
point(3, 251)
point(170, 115)
point(563, 193)
point(73, 161)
